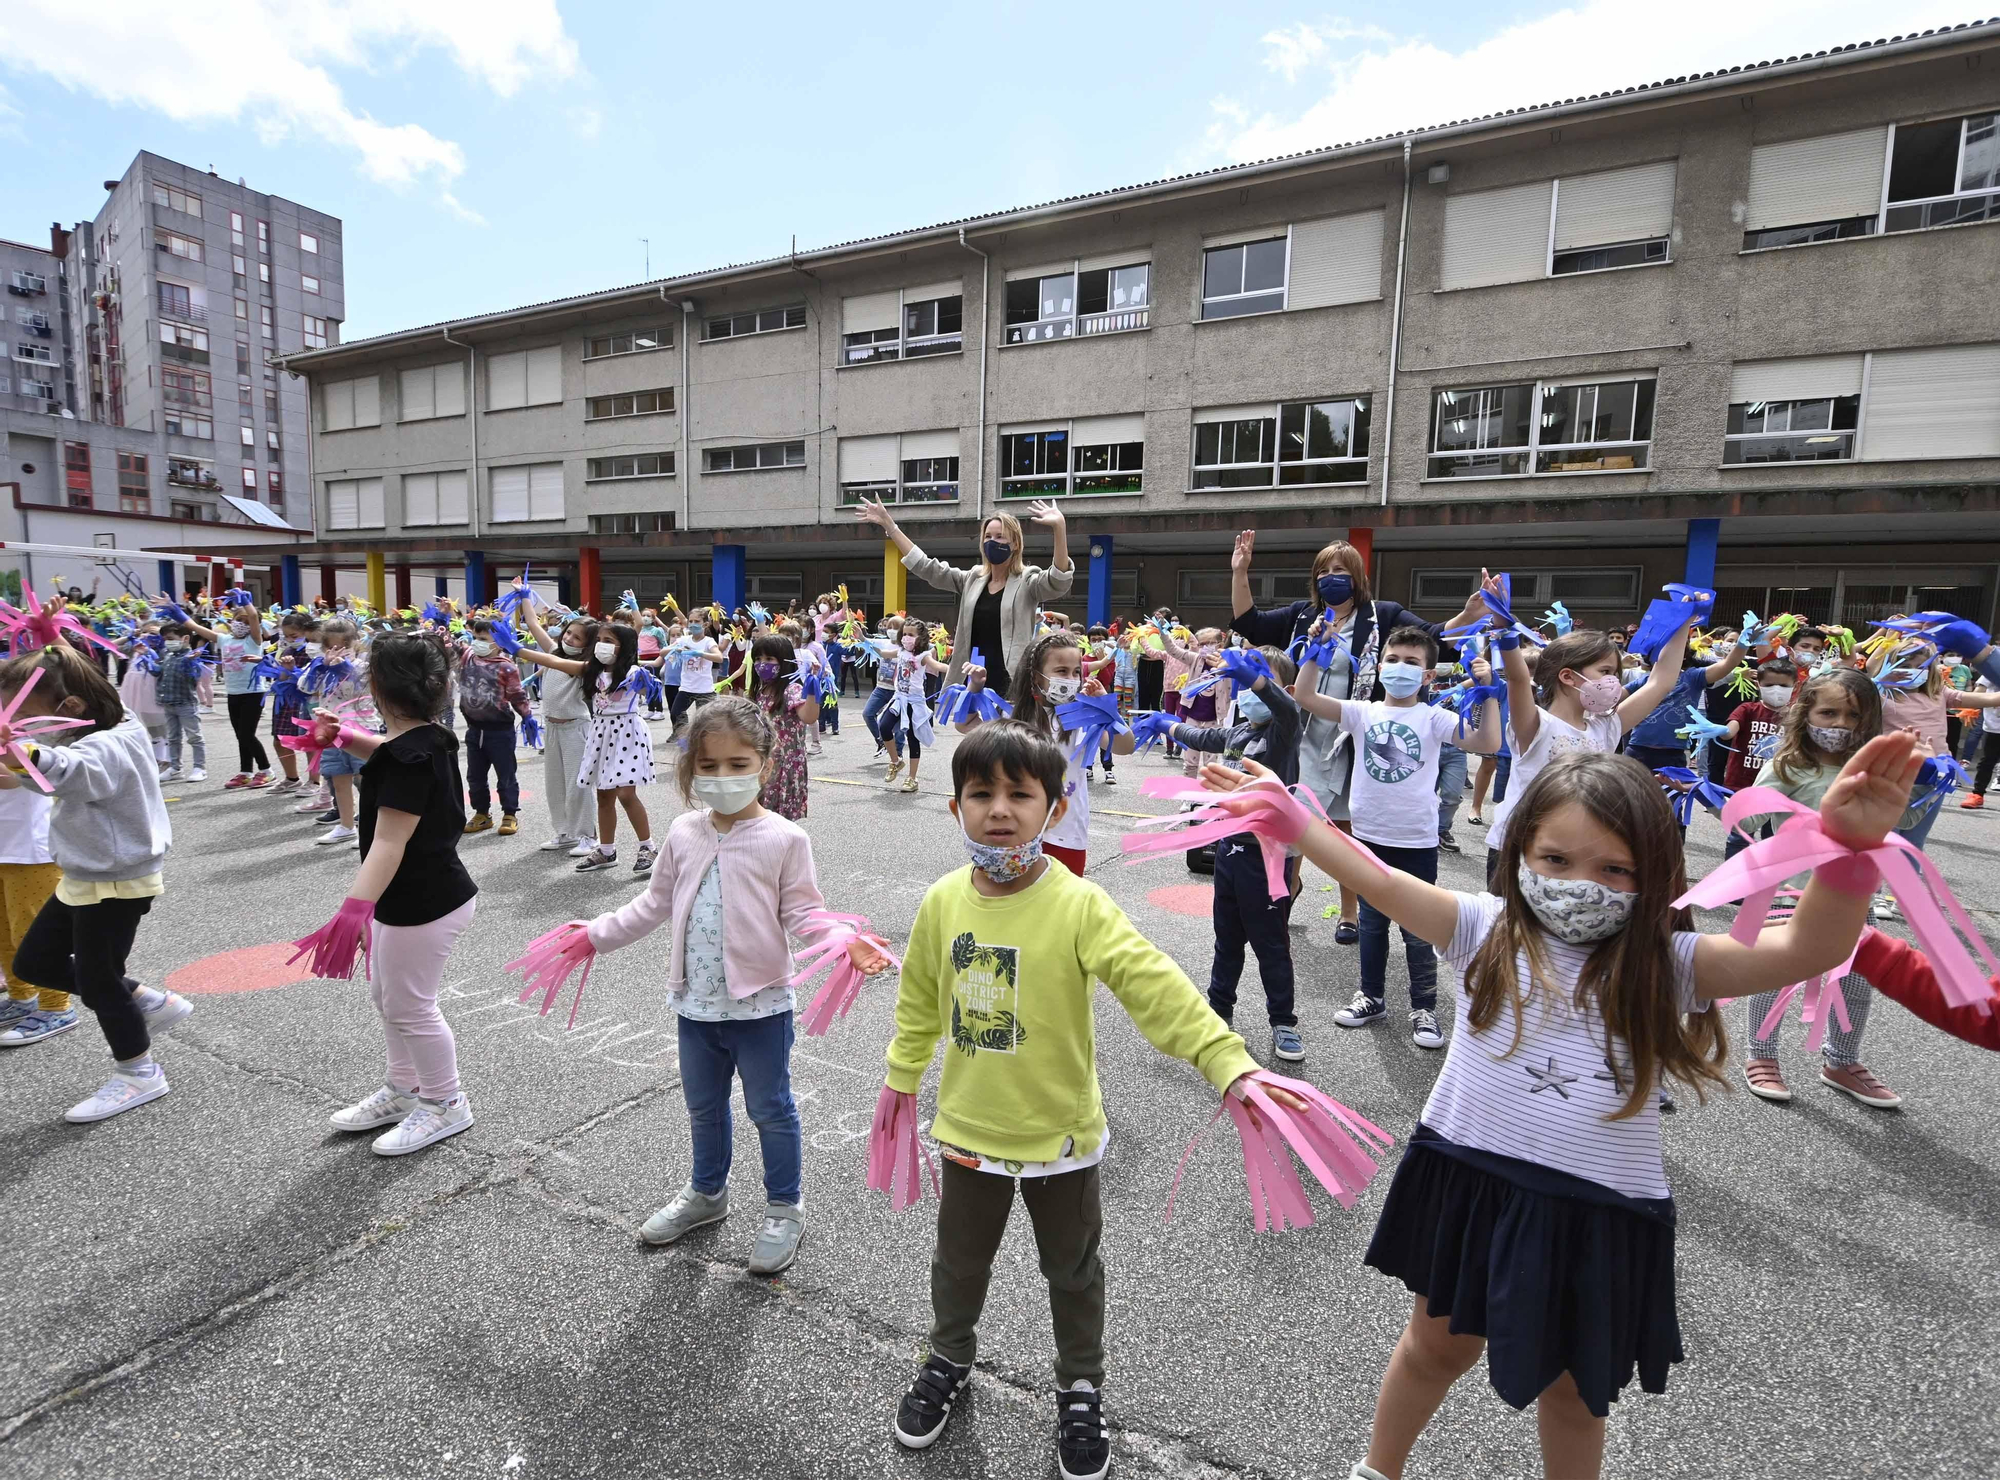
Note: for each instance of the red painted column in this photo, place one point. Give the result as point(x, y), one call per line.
point(589, 579)
point(492, 584)
point(402, 587)
point(1363, 540)
point(326, 586)
point(218, 579)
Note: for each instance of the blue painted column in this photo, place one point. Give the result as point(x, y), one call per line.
point(475, 577)
point(1704, 535)
point(167, 579)
point(1100, 580)
point(727, 582)
point(291, 590)
point(442, 586)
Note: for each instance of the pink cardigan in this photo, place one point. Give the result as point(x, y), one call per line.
point(768, 888)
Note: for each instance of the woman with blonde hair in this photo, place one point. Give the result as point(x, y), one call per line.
point(997, 598)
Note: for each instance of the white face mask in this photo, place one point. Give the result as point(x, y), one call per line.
point(824, 608)
point(727, 795)
point(483, 648)
point(605, 653)
point(313, 650)
point(1579, 911)
point(1060, 689)
point(237, 629)
point(1777, 695)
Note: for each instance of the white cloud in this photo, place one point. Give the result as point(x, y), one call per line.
point(266, 63)
point(1376, 83)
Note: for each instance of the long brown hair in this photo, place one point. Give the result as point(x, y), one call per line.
point(1629, 978)
point(1797, 756)
point(1026, 694)
point(1575, 652)
point(1349, 559)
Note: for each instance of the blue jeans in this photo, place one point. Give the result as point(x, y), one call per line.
point(1451, 785)
point(877, 702)
point(1420, 863)
point(1918, 832)
point(1246, 915)
point(760, 1051)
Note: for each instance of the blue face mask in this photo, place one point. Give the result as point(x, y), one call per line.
point(997, 552)
point(1335, 588)
point(1253, 709)
point(1400, 680)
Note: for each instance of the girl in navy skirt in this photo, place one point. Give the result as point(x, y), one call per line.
point(1530, 1216)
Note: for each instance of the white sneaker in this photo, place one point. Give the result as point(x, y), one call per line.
point(385, 1107)
point(584, 848)
point(174, 773)
point(334, 836)
point(428, 1123)
point(118, 1094)
point(560, 843)
point(162, 1015)
point(197, 774)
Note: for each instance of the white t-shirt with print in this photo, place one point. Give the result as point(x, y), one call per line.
point(698, 668)
point(1393, 800)
point(1547, 1100)
point(1600, 732)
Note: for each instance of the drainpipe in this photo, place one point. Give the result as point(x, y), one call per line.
point(985, 324)
point(472, 414)
point(1396, 329)
point(687, 468)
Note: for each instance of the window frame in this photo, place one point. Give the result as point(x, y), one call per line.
point(315, 338)
point(664, 333)
point(896, 490)
point(1535, 587)
point(1989, 193)
point(1832, 430)
point(438, 521)
point(454, 367)
point(1038, 485)
point(187, 248)
point(177, 423)
point(361, 521)
point(174, 198)
point(893, 347)
point(591, 412)
point(1283, 290)
point(784, 311)
point(758, 448)
point(1530, 452)
point(309, 242)
point(134, 482)
point(664, 466)
point(1360, 404)
point(1073, 323)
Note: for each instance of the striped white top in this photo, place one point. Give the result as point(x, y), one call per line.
point(1548, 1101)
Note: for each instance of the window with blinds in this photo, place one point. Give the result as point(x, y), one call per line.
point(1336, 261)
point(1496, 236)
point(1615, 218)
point(1817, 189)
point(435, 498)
point(528, 377)
point(527, 493)
point(1931, 403)
point(1798, 410)
point(433, 391)
point(354, 503)
point(907, 468)
point(346, 404)
point(1089, 455)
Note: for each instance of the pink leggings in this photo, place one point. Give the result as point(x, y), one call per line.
point(409, 967)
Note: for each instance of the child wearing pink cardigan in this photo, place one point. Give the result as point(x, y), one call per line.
point(735, 881)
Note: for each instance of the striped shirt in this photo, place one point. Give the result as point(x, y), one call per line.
point(1548, 1100)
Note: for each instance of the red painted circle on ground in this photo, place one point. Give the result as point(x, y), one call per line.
point(251, 969)
point(1185, 899)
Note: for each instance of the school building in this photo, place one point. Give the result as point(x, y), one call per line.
point(1739, 328)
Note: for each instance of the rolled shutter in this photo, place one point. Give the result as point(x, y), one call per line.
point(545, 375)
point(507, 382)
point(545, 491)
point(1496, 236)
point(868, 312)
point(1807, 378)
point(337, 406)
point(1829, 178)
point(448, 387)
point(1136, 257)
point(1047, 269)
point(510, 495)
point(420, 497)
point(930, 444)
point(868, 459)
point(1629, 205)
point(1237, 238)
point(1104, 431)
point(953, 289)
point(1235, 413)
point(419, 395)
point(368, 402)
point(451, 502)
point(368, 502)
point(1336, 261)
point(1926, 403)
point(340, 506)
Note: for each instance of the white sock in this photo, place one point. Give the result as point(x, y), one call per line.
point(139, 1068)
point(148, 998)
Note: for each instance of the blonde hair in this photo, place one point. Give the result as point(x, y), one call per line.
point(1011, 527)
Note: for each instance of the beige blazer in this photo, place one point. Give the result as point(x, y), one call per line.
point(1029, 589)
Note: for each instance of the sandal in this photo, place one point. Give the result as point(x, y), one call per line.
point(1767, 1080)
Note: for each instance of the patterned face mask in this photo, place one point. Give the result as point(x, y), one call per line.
point(1579, 911)
point(1005, 864)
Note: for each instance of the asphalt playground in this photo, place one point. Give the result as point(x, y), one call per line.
point(217, 1285)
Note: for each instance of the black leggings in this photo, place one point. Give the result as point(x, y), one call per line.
point(245, 710)
point(886, 729)
point(1989, 753)
point(82, 949)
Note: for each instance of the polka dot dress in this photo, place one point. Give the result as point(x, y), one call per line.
point(619, 750)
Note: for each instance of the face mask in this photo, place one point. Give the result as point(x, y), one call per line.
point(1578, 911)
point(1005, 864)
point(572, 644)
point(727, 794)
point(1777, 695)
point(765, 671)
point(997, 552)
point(909, 644)
point(1400, 679)
point(824, 608)
point(605, 653)
point(1253, 709)
point(482, 648)
point(176, 645)
point(237, 629)
point(1834, 739)
point(1334, 589)
point(1059, 689)
point(313, 650)
point(1600, 695)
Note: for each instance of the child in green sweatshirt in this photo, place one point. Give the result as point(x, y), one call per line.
point(1002, 963)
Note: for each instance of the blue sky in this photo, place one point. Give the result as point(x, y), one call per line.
point(485, 153)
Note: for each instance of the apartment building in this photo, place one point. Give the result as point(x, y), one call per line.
point(143, 400)
point(1738, 328)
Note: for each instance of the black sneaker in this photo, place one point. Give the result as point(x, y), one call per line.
point(1447, 842)
point(1362, 1011)
point(1083, 1443)
point(1346, 933)
point(926, 1407)
point(331, 814)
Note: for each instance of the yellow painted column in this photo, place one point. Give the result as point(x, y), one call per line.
point(895, 580)
point(378, 590)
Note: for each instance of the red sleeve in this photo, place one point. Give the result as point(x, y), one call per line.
point(1898, 970)
point(511, 690)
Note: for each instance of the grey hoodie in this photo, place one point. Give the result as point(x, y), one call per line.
point(109, 822)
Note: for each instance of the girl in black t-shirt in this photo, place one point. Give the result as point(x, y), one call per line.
point(411, 887)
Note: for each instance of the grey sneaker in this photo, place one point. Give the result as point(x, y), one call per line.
point(778, 1240)
point(688, 1211)
point(385, 1107)
point(1287, 1045)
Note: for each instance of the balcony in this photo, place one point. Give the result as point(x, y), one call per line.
point(174, 396)
point(186, 313)
point(1117, 321)
point(188, 475)
point(27, 284)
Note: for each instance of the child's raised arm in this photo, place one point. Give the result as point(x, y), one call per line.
point(1862, 806)
point(1523, 713)
point(1660, 681)
point(1484, 738)
point(1306, 691)
point(1429, 911)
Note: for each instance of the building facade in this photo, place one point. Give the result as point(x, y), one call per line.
point(143, 402)
point(1740, 328)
